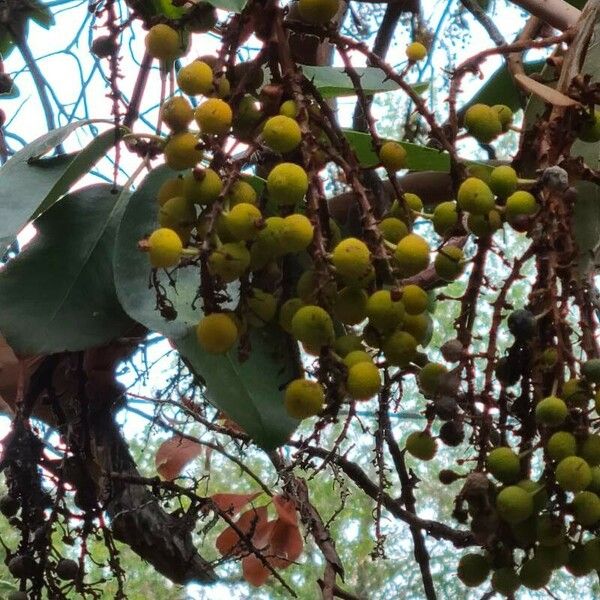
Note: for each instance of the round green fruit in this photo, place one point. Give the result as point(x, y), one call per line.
point(421, 445)
point(414, 299)
point(392, 156)
point(549, 530)
point(590, 450)
point(400, 349)
point(350, 306)
point(363, 381)
point(287, 311)
point(345, 344)
point(181, 151)
point(484, 225)
point(573, 474)
point(504, 465)
point(164, 248)
point(514, 504)
point(164, 43)
point(287, 183)
point(445, 217)
point(483, 123)
point(551, 411)
point(177, 113)
point(351, 259)
point(534, 574)
point(217, 333)
point(393, 229)
point(449, 262)
point(281, 134)
point(505, 581)
point(589, 130)
point(505, 115)
point(412, 255)
point(591, 370)
point(384, 313)
point(312, 325)
point(430, 378)
point(303, 398)
point(229, 262)
point(561, 444)
point(519, 204)
point(318, 12)
point(586, 508)
point(473, 569)
point(503, 181)
point(202, 186)
point(475, 196)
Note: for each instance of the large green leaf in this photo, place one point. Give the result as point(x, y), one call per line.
point(334, 81)
point(42, 15)
point(30, 184)
point(132, 268)
point(251, 391)
point(500, 87)
point(58, 294)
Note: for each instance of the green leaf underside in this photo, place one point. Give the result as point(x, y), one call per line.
point(58, 294)
point(30, 184)
point(235, 6)
point(247, 392)
point(335, 82)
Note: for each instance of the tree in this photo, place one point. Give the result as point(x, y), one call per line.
point(363, 346)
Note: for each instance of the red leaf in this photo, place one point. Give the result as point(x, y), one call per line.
point(254, 571)
point(233, 503)
point(286, 510)
point(286, 544)
point(174, 454)
point(228, 541)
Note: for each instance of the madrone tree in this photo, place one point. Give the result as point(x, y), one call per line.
point(312, 280)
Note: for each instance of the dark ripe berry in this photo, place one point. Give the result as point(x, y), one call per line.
point(6, 83)
point(9, 506)
point(452, 350)
point(505, 373)
point(21, 567)
point(67, 569)
point(17, 595)
point(452, 433)
point(521, 323)
point(447, 476)
point(202, 18)
point(445, 407)
point(103, 46)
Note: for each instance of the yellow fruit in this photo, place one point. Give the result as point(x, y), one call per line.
point(281, 134)
point(287, 311)
point(503, 181)
point(586, 508)
point(561, 444)
point(473, 569)
point(164, 43)
point(413, 201)
point(573, 474)
point(244, 221)
point(414, 299)
point(520, 203)
point(393, 229)
point(419, 326)
point(262, 308)
point(296, 233)
point(214, 116)
point(445, 217)
point(313, 326)
point(475, 196)
point(169, 189)
point(484, 225)
point(289, 109)
point(483, 123)
point(217, 333)
point(384, 313)
point(534, 574)
point(181, 151)
point(357, 356)
point(318, 12)
point(308, 288)
point(392, 156)
point(351, 259)
point(412, 255)
point(431, 377)
point(267, 245)
point(449, 263)
point(504, 465)
point(363, 381)
point(202, 186)
point(287, 183)
point(164, 248)
point(416, 52)
point(229, 261)
point(177, 113)
point(551, 411)
point(514, 504)
point(589, 130)
point(178, 214)
point(505, 115)
point(350, 306)
point(303, 398)
point(349, 343)
point(400, 349)
point(195, 78)
point(241, 192)
point(421, 445)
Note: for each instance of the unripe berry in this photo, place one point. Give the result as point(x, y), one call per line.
point(296, 233)
point(416, 52)
point(520, 203)
point(214, 117)
point(400, 349)
point(473, 569)
point(503, 181)
point(195, 78)
point(347, 343)
point(281, 134)
point(514, 504)
point(351, 259)
point(551, 411)
point(202, 186)
point(504, 465)
point(534, 574)
point(217, 333)
point(449, 263)
point(393, 229)
point(289, 108)
point(241, 191)
point(313, 326)
point(475, 196)
point(445, 217)
point(561, 444)
point(484, 225)
point(505, 581)
point(181, 152)
point(419, 326)
point(229, 261)
point(287, 311)
point(164, 248)
point(414, 299)
point(549, 530)
point(318, 12)
point(483, 123)
point(170, 189)
point(164, 43)
point(303, 398)
point(177, 113)
point(591, 370)
point(573, 474)
point(586, 508)
point(357, 356)
point(590, 450)
point(430, 377)
point(421, 445)
point(262, 308)
point(537, 490)
point(575, 393)
point(412, 255)
point(589, 130)
point(505, 115)
point(350, 306)
point(363, 381)
point(392, 156)
point(521, 323)
point(244, 221)
point(383, 312)
point(287, 183)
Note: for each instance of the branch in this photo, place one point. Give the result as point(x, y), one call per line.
point(557, 13)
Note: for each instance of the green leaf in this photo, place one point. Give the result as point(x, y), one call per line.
point(235, 6)
point(7, 44)
point(58, 294)
point(500, 87)
point(334, 81)
point(30, 184)
point(41, 15)
point(165, 8)
point(250, 392)
point(132, 268)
